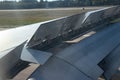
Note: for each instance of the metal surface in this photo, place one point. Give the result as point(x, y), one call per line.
point(57, 69)
point(16, 36)
point(111, 63)
point(88, 53)
point(73, 24)
point(35, 56)
point(8, 59)
point(80, 61)
point(84, 56)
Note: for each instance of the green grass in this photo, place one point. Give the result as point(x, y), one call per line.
point(10, 19)
point(116, 20)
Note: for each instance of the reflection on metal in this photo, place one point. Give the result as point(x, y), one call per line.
point(31, 79)
point(35, 56)
point(51, 45)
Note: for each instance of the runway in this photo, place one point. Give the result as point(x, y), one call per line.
point(47, 9)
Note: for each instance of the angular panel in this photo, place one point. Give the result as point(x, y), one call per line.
point(57, 69)
point(8, 60)
point(35, 56)
point(16, 36)
point(88, 53)
point(51, 30)
point(112, 63)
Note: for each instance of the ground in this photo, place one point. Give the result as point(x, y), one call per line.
point(15, 18)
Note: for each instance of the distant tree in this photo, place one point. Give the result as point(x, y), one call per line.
point(29, 0)
point(88, 2)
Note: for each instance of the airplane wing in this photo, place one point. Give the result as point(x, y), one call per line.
point(47, 44)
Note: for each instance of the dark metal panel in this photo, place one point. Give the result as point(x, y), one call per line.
point(63, 26)
point(87, 54)
point(112, 11)
point(111, 63)
point(86, 43)
point(57, 69)
point(53, 29)
point(93, 17)
point(89, 43)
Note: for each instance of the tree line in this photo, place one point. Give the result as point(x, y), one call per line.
point(28, 4)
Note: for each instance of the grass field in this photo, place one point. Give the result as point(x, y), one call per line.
point(116, 20)
point(15, 18)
